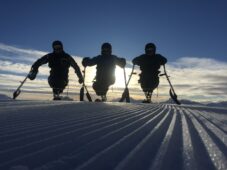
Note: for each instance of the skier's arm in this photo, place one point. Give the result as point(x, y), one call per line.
point(35, 67)
point(90, 61)
point(136, 61)
point(162, 60)
point(76, 68)
point(120, 62)
point(39, 62)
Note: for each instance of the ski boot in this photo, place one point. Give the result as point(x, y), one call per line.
point(146, 101)
point(57, 97)
point(103, 99)
point(148, 98)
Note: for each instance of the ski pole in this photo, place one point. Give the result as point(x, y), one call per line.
point(127, 97)
point(82, 88)
point(126, 86)
point(18, 91)
point(87, 93)
point(167, 77)
point(172, 93)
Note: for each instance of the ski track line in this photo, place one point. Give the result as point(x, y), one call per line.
point(47, 118)
point(211, 116)
point(113, 136)
point(221, 124)
point(189, 161)
point(58, 137)
point(216, 156)
point(213, 130)
point(86, 151)
point(37, 143)
point(48, 133)
point(54, 126)
point(162, 152)
point(218, 137)
point(21, 106)
point(74, 116)
point(102, 159)
point(46, 114)
point(67, 135)
point(142, 150)
point(96, 130)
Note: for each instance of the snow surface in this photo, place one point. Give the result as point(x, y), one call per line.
point(4, 97)
point(63, 135)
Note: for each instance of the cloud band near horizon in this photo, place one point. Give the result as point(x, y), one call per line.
point(194, 78)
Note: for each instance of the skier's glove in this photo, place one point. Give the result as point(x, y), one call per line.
point(122, 63)
point(85, 61)
point(32, 74)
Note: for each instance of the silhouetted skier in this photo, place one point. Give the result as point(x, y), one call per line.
point(105, 74)
point(59, 63)
point(149, 63)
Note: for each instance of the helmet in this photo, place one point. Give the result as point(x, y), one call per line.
point(150, 46)
point(57, 43)
point(106, 46)
point(106, 49)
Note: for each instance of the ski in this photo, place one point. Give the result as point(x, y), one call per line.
point(82, 93)
point(125, 94)
point(84, 87)
point(172, 93)
point(18, 91)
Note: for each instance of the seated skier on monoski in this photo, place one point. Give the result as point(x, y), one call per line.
point(149, 63)
point(59, 63)
point(106, 64)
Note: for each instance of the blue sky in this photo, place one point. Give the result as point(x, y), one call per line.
point(190, 34)
point(179, 28)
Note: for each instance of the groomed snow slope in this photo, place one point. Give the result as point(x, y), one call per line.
point(103, 136)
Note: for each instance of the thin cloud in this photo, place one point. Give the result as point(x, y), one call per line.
point(205, 76)
point(196, 62)
point(19, 51)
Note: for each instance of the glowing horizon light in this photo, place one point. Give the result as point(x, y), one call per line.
point(120, 80)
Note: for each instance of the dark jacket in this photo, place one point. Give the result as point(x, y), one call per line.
point(59, 65)
point(106, 65)
point(149, 65)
